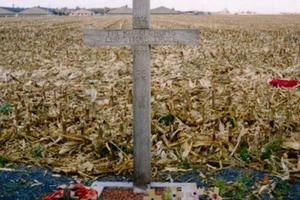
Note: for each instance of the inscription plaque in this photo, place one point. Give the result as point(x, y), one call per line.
point(95, 37)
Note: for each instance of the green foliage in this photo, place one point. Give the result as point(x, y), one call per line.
point(236, 190)
point(246, 179)
point(39, 151)
point(120, 83)
point(6, 108)
point(184, 164)
point(168, 119)
point(281, 190)
point(270, 148)
point(240, 188)
point(89, 182)
point(221, 185)
point(157, 158)
point(3, 160)
point(11, 165)
point(244, 153)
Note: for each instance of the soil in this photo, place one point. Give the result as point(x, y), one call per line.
point(125, 194)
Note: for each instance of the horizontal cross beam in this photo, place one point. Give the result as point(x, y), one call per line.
point(98, 37)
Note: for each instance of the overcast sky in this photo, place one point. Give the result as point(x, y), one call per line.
point(262, 6)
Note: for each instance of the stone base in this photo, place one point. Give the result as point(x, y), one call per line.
point(189, 191)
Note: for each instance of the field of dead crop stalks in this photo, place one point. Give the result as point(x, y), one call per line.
point(68, 107)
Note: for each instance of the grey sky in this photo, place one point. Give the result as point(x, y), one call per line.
point(262, 6)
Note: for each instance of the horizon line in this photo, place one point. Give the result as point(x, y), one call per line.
point(232, 12)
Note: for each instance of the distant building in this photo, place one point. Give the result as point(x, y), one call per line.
point(98, 11)
point(223, 12)
point(82, 12)
point(67, 11)
point(202, 13)
point(195, 13)
point(285, 13)
point(6, 13)
point(246, 13)
point(60, 11)
point(125, 10)
point(164, 11)
point(35, 11)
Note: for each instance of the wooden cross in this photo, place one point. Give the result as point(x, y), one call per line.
point(140, 38)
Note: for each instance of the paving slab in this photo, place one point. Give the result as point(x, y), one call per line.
point(187, 189)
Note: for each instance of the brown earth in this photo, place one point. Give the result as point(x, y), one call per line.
point(68, 107)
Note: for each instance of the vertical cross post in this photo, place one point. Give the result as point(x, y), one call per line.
point(141, 98)
point(140, 38)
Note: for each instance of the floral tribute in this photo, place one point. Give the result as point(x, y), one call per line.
point(172, 193)
point(73, 191)
point(284, 83)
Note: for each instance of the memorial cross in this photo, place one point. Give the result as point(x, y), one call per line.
point(140, 38)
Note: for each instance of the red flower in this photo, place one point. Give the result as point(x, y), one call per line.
point(214, 195)
point(78, 190)
point(55, 195)
point(85, 193)
point(284, 83)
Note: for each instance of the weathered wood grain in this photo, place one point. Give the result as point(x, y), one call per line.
point(96, 37)
point(141, 95)
point(142, 116)
point(141, 14)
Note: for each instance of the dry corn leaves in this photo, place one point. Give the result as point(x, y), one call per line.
point(68, 107)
